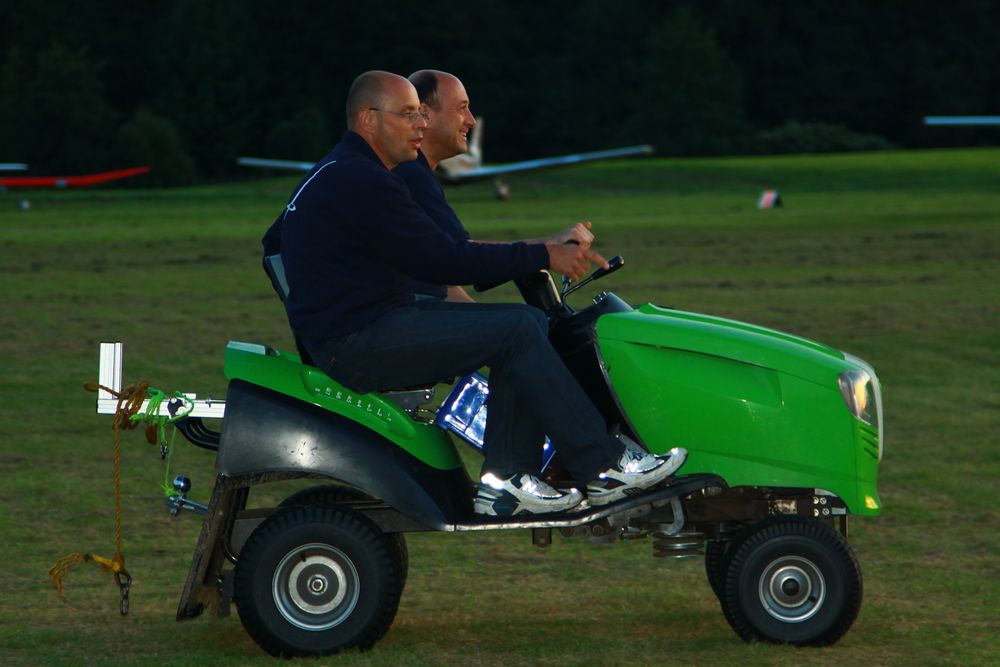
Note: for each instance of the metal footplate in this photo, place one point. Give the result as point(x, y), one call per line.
point(635, 506)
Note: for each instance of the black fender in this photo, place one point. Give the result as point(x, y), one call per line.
point(265, 431)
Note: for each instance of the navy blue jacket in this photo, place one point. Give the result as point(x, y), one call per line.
point(426, 190)
point(352, 240)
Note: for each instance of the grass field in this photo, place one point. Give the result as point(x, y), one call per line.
point(894, 257)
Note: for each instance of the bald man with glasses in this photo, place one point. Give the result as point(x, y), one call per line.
point(353, 240)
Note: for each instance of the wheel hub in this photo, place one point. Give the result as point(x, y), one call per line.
point(792, 589)
point(790, 586)
point(310, 584)
point(315, 587)
point(317, 583)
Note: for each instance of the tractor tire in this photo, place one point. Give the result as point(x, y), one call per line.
point(331, 495)
point(715, 566)
point(324, 494)
point(312, 581)
point(792, 580)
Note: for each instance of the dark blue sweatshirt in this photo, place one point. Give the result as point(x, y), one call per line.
point(426, 190)
point(353, 240)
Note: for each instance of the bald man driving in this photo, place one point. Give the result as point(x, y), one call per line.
point(449, 120)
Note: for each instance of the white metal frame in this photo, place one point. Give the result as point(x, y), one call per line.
point(110, 370)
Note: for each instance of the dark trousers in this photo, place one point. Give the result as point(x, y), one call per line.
point(532, 393)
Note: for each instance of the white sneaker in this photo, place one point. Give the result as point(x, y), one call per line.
point(636, 471)
point(521, 494)
point(634, 447)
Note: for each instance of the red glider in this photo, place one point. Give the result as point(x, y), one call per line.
point(70, 181)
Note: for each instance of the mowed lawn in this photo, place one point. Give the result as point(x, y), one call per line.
point(894, 257)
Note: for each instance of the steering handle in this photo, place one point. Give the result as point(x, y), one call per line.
point(614, 264)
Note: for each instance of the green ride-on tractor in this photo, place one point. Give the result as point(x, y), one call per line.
point(783, 434)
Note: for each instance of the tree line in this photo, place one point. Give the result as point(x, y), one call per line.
point(189, 85)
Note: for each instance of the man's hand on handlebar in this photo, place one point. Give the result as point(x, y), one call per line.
point(573, 259)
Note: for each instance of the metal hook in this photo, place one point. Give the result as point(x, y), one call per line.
point(124, 581)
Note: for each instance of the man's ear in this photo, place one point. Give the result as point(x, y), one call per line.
point(366, 120)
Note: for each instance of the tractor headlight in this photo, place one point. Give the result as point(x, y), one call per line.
point(859, 394)
point(863, 396)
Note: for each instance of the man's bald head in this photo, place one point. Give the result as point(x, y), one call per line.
point(384, 110)
point(443, 98)
point(427, 81)
point(369, 90)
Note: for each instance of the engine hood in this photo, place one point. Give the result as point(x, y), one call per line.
point(653, 326)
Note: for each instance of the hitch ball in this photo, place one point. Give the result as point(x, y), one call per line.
point(182, 484)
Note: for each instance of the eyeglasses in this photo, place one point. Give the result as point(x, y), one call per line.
point(413, 116)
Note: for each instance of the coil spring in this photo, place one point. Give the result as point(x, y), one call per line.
point(680, 545)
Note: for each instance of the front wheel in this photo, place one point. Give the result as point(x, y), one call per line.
point(315, 580)
point(715, 566)
point(792, 580)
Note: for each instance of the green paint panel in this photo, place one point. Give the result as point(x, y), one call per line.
point(284, 373)
point(755, 406)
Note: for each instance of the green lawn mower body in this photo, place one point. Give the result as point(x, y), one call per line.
point(783, 437)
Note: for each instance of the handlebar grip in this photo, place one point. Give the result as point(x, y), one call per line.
point(614, 264)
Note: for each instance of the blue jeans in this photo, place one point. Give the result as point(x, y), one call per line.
point(532, 393)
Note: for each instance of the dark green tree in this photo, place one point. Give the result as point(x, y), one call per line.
point(303, 135)
point(235, 77)
point(207, 88)
point(53, 111)
point(149, 139)
point(691, 99)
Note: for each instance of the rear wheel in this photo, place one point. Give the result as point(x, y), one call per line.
point(331, 495)
point(792, 580)
point(313, 581)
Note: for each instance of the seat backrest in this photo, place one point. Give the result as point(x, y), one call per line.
point(275, 270)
